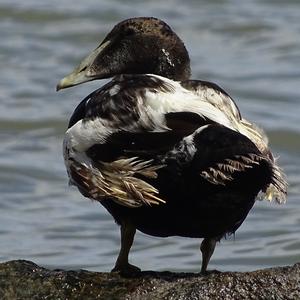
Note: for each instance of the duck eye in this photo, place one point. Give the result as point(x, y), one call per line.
point(83, 69)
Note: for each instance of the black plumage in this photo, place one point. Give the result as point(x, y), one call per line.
point(164, 154)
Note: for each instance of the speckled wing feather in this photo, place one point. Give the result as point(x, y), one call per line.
point(220, 99)
point(117, 181)
point(215, 95)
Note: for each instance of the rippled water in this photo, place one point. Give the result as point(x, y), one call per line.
point(252, 49)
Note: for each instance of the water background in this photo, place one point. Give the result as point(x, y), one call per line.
point(250, 48)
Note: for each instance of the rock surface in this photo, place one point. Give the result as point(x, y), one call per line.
point(21, 279)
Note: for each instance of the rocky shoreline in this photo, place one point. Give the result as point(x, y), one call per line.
point(20, 279)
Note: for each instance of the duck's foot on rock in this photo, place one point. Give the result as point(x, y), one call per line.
point(210, 272)
point(126, 269)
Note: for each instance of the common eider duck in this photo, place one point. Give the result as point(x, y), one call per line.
point(164, 154)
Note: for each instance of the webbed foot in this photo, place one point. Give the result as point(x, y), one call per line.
point(126, 269)
point(210, 272)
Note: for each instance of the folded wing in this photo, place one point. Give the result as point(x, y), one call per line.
point(123, 135)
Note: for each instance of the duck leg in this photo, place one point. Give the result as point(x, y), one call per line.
point(207, 248)
point(127, 235)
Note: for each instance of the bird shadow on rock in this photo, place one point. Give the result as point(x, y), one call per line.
point(167, 275)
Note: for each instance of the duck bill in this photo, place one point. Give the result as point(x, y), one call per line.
point(84, 72)
point(72, 79)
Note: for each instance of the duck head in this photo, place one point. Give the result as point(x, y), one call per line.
point(135, 46)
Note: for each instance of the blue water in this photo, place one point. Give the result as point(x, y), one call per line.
point(251, 49)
